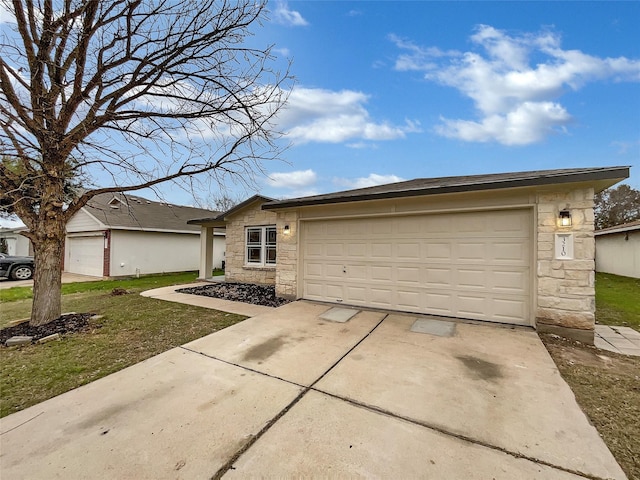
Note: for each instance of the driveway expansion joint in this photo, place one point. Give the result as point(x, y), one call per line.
point(459, 436)
point(234, 458)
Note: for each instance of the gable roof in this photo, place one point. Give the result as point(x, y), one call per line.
point(222, 216)
point(130, 212)
point(431, 186)
point(625, 227)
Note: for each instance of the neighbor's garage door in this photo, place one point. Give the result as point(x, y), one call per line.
point(468, 265)
point(85, 255)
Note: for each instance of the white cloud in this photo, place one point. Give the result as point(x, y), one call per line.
point(530, 122)
point(516, 100)
point(318, 115)
point(297, 180)
point(371, 181)
point(284, 16)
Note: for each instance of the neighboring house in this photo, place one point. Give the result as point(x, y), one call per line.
point(618, 250)
point(17, 244)
point(122, 235)
point(485, 247)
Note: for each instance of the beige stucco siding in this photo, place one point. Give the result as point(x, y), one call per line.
point(619, 253)
point(236, 269)
point(135, 252)
point(83, 222)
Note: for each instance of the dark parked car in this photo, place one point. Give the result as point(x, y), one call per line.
point(16, 268)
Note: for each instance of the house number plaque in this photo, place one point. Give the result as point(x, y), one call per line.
point(564, 246)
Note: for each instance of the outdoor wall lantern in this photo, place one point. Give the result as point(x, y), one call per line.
point(565, 218)
point(287, 230)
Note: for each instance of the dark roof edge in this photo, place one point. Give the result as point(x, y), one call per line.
point(625, 227)
point(603, 174)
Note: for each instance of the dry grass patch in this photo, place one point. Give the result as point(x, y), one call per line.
point(607, 388)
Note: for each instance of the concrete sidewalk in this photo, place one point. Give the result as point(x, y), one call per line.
point(66, 278)
point(290, 394)
point(169, 294)
point(624, 340)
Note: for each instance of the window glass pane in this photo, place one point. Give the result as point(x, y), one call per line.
point(254, 236)
point(271, 255)
point(253, 254)
point(271, 235)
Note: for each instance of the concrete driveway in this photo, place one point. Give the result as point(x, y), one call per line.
point(290, 394)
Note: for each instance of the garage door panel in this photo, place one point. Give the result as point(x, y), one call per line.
point(334, 271)
point(509, 310)
point(474, 306)
point(472, 278)
point(514, 251)
point(408, 274)
point(511, 222)
point(314, 269)
point(334, 291)
point(357, 272)
point(439, 302)
point(437, 251)
point(355, 294)
point(357, 250)
point(315, 290)
point(409, 251)
point(85, 255)
point(409, 300)
point(471, 265)
point(314, 250)
point(381, 273)
point(471, 251)
point(382, 251)
point(438, 277)
point(510, 281)
point(381, 297)
point(406, 225)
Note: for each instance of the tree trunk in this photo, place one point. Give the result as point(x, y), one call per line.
point(48, 245)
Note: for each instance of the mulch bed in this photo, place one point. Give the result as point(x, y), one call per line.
point(239, 292)
point(65, 324)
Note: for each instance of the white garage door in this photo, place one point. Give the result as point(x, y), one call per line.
point(85, 255)
point(467, 265)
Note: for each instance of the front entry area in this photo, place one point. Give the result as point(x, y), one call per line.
point(474, 265)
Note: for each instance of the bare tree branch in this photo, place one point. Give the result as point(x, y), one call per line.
point(140, 91)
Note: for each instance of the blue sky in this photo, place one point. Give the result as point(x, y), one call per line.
point(388, 91)
point(400, 90)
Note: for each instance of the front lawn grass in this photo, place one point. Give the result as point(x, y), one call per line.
point(145, 282)
point(133, 328)
point(617, 300)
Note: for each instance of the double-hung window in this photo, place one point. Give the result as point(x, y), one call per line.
point(261, 246)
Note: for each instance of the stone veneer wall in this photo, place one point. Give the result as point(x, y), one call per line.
point(287, 256)
point(566, 288)
point(235, 269)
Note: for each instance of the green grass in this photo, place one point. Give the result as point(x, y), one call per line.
point(145, 282)
point(133, 328)
point(617, 300)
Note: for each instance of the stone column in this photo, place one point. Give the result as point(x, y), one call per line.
point(206, 252)
point(566, 293)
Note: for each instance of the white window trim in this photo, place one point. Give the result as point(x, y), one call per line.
point(263, 247)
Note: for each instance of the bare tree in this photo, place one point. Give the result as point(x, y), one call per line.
point(223, 201)
point(127, 93)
